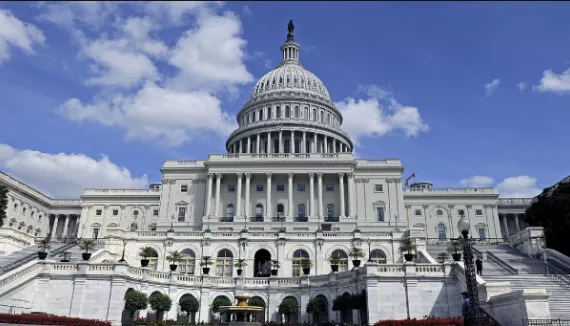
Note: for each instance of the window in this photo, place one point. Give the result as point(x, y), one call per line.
point(278, 112)
point(188, 262)
point(183, 188)
point(300, 187)
point(287, 112)
point(343, 260)
point(297, 112)
point(98, 212)
point(378, 188)
point(23, 210)
point(230, 212)
point(134, 227)
point(259, 188)
point(152, 227)
point(330, 187)
point(330, 210)
point(32, 214)
point(314, 115)
point(258, 210)
point(136, 213)
point(280, 210)
point(39, 218)
point(380, 214)
point(298, 255)
point(301, 210)
point(269, 114)
point(441, 232)
point(181, 214)
point(155, 212)
point(95, 233)
point(115, 212)
point(378, 256)
point(15, 206)
point(439, 212)
point(261, 114)
point(481, 233)
point(224, 263)
point(478, 212)
point(231, 188)
point(153, 260)
point(418, 212)
point(460, 212)
point(280, 187)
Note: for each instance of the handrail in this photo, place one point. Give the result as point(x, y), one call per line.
point(558, 257)
point(506, 267)
point(477, 252)
point(495, 322)
point(64, 247)
point(557, 274)
point(32, 256)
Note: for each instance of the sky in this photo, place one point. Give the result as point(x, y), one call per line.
point(466, 94)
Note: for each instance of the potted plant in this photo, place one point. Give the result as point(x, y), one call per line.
point(334, 261)
point(44, 245)
point(65, 256)
point(407, 247)
point(206, 261)
point(275, 265)
point(240, 264)
point(87, 245)
point(145, 253)
point(453, 248)
point(443, 256)
point(174, 257)
point(356, 253)
point(306, 265)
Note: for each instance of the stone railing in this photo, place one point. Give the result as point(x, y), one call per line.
point(514, 202)
point(265, 234)
point(452, 190)
point(529, 241)
point(280, 156)
point(558, 257)
point(13, 279)
point(501, 264)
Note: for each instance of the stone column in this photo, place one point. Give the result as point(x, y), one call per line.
point(517, 222)
point(333, 146)
point(258, 144)
point(290, 175)
point(269, 142)
point(351, 194)
point(240, 146)
point(506, 225)
point(54, 227)
point(304, 145)
point(326, 145)
point(315, 148)
point(67, 218)
point(341, 191)
point(292, 142)
point(268, 210)
point(218, 186)
point(281, 141)
point(312, 193)
point(209, 195)
point(247, 190)
point(238, 201)
point(248, 150)
point(320, 190)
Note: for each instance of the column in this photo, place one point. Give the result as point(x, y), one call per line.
point(351, 194)
point(248, 150)
point(268, 210)
point(209, 196)
point(304, 145)
point(290, 188)
point(269, 142)
point(334, 146)
point(240, 150)
point(258, 144)
point(320, 190)
point(292, 142)
point(281, 141)
point(247, 189)
point(218, 186)
point(341, 188)
point(506, 225)
point(312, 193)
point(517, 222)
point(54, 227)
point(315, 143)
point(67, 218)
point(326, 144)
point(238, 201)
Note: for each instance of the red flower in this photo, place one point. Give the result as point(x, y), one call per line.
point(27, 319)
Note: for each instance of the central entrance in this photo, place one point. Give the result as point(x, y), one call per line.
point(262, 263)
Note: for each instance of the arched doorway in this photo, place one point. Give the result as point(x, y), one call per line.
point(127, 314)
point(346, 314)
point(364, 308)
point(151, 314)
point(258, 302)
point(262, 263)
point(322, 316)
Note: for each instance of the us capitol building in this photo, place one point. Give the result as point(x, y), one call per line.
point(287, 188)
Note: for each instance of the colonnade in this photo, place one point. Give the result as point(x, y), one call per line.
point(316, 209)
point(67, 219)
point(504, 217)
point(288, 141)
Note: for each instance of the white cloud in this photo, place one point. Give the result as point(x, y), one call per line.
point(521, 86)
point(246, 11)
point(66, 175)
point(477, 181)
point(554, 83)
point(16, 33)
point(491, 87)
point(368, 117)
point(522, 186)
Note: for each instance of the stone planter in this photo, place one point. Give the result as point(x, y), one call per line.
point(144, 262)
point(86, 255)
point(42, 255)
point(273, 272)
point(173, 267)
point(205, 270)
point(306, 271)
point(409, 257)
point(334, 268)
point(356, 262)
point(456, 257)
point(239, 271)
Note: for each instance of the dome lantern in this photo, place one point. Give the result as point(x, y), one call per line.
point(290, 49)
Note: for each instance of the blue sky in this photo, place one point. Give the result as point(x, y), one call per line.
point(464, 93)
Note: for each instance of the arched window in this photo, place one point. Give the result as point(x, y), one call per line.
point(301, 210)
point(286, 146)
point(287, 112)
point(280, 210)
point(297, 112)
point(321, 116)
point(378, 256)
point(330, 211)
point(224, 263)
point(328, 118)
point(278, 112)
point(306, 114)
point(343, 260)
point(153, 260)
point(298, 256)
point(188, 262)
point(134, 227)
point(441, 232)
point(269, 114)
point(260, 114)
point(258, 211)
point(314, 115)
point(230, 212)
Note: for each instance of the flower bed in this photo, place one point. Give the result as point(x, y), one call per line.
point(427, 321)
point(146, 322)
point(28, 319)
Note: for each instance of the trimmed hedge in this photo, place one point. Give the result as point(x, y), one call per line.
point(170, 322)
point(29, 319)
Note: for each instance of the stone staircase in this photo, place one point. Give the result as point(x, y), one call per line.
point(17, 255)
point(76, 252)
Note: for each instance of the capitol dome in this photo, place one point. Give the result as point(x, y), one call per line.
point(289, 111)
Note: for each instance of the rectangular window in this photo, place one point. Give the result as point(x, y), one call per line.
point(155, 212)
point(330, 187)
point(280, 187)
point(115, 212)
point(418, 212)
point(24, 210)
point(380, 214)
point(481, 233)
point(231, 188)
point(259, 188)
point(378, 188)
point(460, 212)
point(300, 187)
point(479, 212)
point(183, 188)
point(98, 212)
point(181, 214)
point(95, 233)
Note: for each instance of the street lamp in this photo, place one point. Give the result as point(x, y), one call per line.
point(124, 246)
point(369, 243)
point(474, 316)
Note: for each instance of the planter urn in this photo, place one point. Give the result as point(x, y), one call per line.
point(306, 271)
point(173, 267)
point(456, 256)
point(356, 262)
point(86, 255)
point(409, 257)
point(334, 268)
point(42, 255)
point(205, 270)
point(273, 272)
point(144, 262)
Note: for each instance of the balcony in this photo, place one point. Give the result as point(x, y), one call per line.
point(332, 219)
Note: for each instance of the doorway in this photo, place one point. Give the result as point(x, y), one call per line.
point(262, 264)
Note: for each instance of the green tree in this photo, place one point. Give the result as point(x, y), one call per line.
point(190, 305)
point(3, 203)
point(342, 302)
point(87, 245)
point(314, 307)
point(135, 301)
point(160, 303)
point(220, 302)
point(256, 302)
point(288, 307)
point(551, 210)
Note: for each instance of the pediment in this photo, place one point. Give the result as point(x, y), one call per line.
point(182, 203)
point(379, 203)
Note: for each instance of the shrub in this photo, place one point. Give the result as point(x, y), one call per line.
point(28, 319)
point(135, 300)
point(189, 305)
point(170, 322)
point(220, 302)
point(427, 321)
point(256, 302)
point(160, 303)
point(288, 307)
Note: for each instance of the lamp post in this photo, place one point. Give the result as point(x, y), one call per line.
point(369, 243)
point(474, 316)
point(124, 246)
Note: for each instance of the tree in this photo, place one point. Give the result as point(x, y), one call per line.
point(315, 306)
point(87, 245)
point(220, 302)
point(551, 210)
point(174, 257)
point(160, 303)
point(134, 301)
point(189, 305)
point(3, 203)
point(256, 302)
point(288, 307)
point(342, 302)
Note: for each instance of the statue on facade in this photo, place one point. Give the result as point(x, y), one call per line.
point(291, 30)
